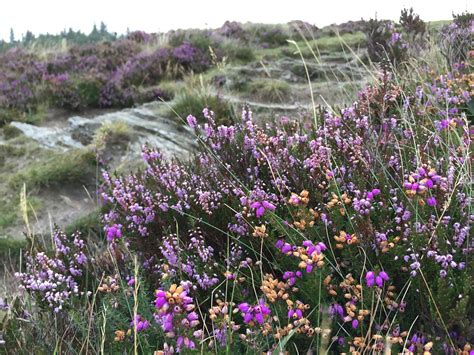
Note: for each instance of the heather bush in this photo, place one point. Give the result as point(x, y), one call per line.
point(412, 23)
point(107, 74)
point(54, 280)
point(455, 39)
point(332, 236)
point(384, 43)
point(139, 36)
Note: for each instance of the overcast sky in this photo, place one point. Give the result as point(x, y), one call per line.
point(41, 16)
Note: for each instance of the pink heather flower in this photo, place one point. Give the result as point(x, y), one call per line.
point(139, 323)
point(384, 275)
point(355, 324)
point(160, 300)
point(431, 201)
point(252, 314)
point(260, 207)
point(192, 121)
point(114, 232)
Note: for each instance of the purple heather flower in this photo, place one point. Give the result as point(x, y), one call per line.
point(192, 121)
point(372, 279)
point(114, 232)
point(256, 313)
point(431, 201)
point(139, 323)
point(260, 207)
point(336, 309)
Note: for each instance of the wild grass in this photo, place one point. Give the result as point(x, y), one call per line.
point(76, 166)
point(271, 90)
point(196, 95)
point(112, 133)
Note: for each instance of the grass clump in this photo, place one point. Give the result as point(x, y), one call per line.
point(87, 225)
point(271, 90)
point(76, 166)
point(112, 133)
point(10, 132)
point(197, 95)
point(237, 52)
point(11, 246)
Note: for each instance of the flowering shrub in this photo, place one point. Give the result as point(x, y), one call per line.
point(54, 280)
point(95, 75)
point(455, 39)
point(384, 42)
point(334, 231)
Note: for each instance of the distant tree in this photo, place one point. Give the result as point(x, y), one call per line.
point(3, 46)
point(103, 29)
point(12, 36)
point(29, 37)
point(94, 36)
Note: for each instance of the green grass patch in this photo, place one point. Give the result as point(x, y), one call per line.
point(326, 44)
point(112, 133)
point(87, 225)
point(11, 246)
point(34, 116)
point(73, 166)
point(270, 90)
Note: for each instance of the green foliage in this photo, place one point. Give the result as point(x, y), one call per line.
point(33, 116)
point(77, 166)
point(192, 104)
point(10, 132)
point(11, 246)
point(88, 225)
point(196, 96)
point(270, 90)
point(235, 51)
point(112, 133)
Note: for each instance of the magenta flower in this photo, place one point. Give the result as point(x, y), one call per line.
point(139, 323)
point(431, 201)
point(254, 314)
point(295, 314)
point(261, 207)
point(192, 121)
point(372, 279)
point(114, 232)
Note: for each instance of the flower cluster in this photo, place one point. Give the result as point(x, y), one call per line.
point(331, 204)
point(139, 324)
point(372, 278)
point(175, 313)
point(256, 314)
point(422, 182)
point(55, 279)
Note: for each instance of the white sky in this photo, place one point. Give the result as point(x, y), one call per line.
point(41, 16)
